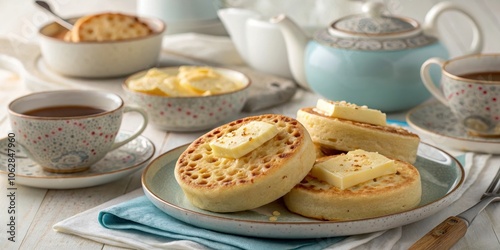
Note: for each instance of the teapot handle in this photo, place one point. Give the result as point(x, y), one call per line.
point(430, 24)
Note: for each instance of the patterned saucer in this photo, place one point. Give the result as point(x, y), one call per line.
point(115, 165)
point(438, 122)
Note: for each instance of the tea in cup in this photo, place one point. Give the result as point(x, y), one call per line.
point(67, 131)
point(470, 87)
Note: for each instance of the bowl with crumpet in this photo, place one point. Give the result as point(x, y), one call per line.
point(188, 98)
point(102, 45)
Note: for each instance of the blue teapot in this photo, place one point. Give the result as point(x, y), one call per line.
point(371, 58)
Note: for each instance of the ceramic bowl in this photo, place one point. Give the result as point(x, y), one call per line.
point(100, 59)
point(194, 113)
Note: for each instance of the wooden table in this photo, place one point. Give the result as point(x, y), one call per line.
point(37, 210)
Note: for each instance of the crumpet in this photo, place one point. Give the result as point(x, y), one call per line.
point(259, 177)
point(346, 135)
point(108, 27)
point(380, 196)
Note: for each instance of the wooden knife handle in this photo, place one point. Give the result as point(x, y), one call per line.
point(444, 235)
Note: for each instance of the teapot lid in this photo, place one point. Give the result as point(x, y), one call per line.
point(373, 30)
point(374, 23)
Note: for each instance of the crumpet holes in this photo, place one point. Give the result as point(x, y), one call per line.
point(196, 157)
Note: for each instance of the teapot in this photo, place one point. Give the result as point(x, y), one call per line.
point(371, 58)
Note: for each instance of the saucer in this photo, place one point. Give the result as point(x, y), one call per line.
point(115, 165)
point(438, 122)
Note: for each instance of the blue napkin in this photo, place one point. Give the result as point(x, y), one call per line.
point(141, 215)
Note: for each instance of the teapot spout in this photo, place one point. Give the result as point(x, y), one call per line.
point(234, 20)
point(296, 41)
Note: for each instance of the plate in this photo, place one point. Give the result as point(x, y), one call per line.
point(442, 175)
point(438, 122)
point(115, 165)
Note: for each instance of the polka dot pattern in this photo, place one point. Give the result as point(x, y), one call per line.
point(190, 113)
point(67, 144)
point(468, 99)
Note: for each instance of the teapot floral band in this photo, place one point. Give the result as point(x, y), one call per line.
point(373, 44)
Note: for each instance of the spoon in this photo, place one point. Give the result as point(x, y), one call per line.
point(63, 22)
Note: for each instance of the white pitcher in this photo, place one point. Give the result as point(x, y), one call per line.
point(259, 42)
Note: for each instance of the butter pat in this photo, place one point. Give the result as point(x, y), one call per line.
point(243, 140)
point(355, 167)
point(149, 83)
point(189, 81)
point(205, 80)
point(171, 87)
point(351, 112)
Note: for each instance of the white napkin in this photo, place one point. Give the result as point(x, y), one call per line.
point(86, 225)
point(474, 165)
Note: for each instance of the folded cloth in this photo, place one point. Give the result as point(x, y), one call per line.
point(178, 235)
point(140, 214)
point(132, 221)
point(474, 166)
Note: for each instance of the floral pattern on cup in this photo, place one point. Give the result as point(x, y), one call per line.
point(70, 144)
point(46, 139)
point(475, 102)
point(470, 97)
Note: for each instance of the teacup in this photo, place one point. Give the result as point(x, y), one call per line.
point(470, 87)
point(66, 131)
